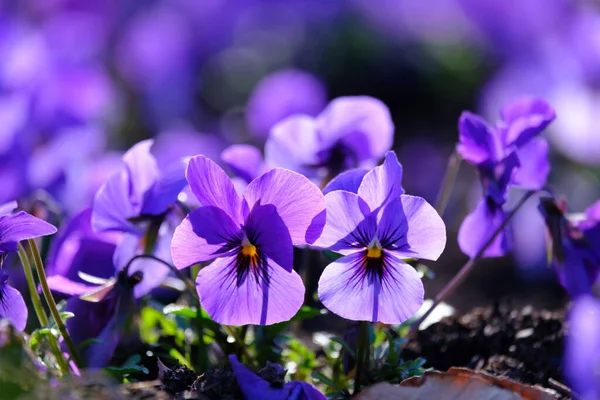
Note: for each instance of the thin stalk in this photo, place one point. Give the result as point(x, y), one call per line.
point(188, 284)
point(39, 310)
point(39, 266)
point(362, 355)
point(202, 352)
point(448, 183)
point(242, 346)
point(468, 267)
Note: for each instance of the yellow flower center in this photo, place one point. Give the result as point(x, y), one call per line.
point(374, 249)
point(249, 250)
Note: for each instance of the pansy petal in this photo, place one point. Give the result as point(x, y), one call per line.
point(142, 169)
point(253, 386)
point(244, 160)
point(61, 284)
point(13, 307)
point(112, 206)
point(165, 190)
point(269, 234)
point(98, 355)
point(8, 208)
point(348, 291)
point(535, 166)
point(478, 144)
point(363, 123)
point(382, 183)
point(478, 227)
point(21, 226)
point(303, 391)
point(349, 181)
point(294, 144)
point(232, 302)
point(202, 236)
point(212, 187)
point(90, 318)
point(526, 118)
point(299, 203)
point(593, 212)
point(347, 222)
point(413, 226)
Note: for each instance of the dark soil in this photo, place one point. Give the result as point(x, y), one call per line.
point(524, 345)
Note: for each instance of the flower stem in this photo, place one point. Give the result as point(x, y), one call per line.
point(39, 266)
point(468, 267)
point(448, 183)
point(188, 283)
point(362, 355)
point(202, 351)
point(39, 310)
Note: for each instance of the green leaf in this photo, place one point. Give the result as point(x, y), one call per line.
point(326, 381)
point(182, 311)
point(346, 346)
point(130, 366)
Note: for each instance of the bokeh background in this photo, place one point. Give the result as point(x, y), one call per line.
point(81, 81)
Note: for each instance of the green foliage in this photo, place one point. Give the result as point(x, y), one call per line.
point(130, 366)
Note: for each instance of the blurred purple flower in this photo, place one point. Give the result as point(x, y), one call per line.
point(250, 239)
point(255, 387)
point(281, 94)
point(245, 162)
point(13, 229)
point(582, 348)
point(350, 132)
point(574, 245)
point(375, 227)
point(507, 154)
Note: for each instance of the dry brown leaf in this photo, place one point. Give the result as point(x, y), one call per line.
point(456, 384)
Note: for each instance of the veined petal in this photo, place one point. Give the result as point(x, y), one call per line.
point(478, 143)
point(254, 300)
point(478, 227)
point(351, 290)
point(165, 190)
point(299, 203)
point(203, 236)
point(382, 183)
point(212, 186)
point(113, 206)
point(142, 170)
point(347, 224)
point(526, 118)
point(12, 306)
point(535, 166)
point(21, 226)
point(349, 181)
point(64, 285)
point(8, 208)
point(244, 160)
point(412, 228)
point(267, 231)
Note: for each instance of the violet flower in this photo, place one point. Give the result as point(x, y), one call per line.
point(507, 154)
point(245, 162)
point(575, 247)
point(137, 200)
point(13, 229)
point(376, 227)
point(255, 387)
point(250, 239)
point(351, 132)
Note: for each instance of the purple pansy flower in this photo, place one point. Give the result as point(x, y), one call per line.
point(575, 247)
point(255, 387)
point(13, 229)
point(507, 154)
point(376, 226)
point(250, 239)
point(245, 162)
point(582, 348)
point(351, 132)
point(137, 200)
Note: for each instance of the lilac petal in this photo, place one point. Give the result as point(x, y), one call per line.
point(583, 347)
point(535, 166)
point(417, 227)
point(61, 284)
point(12, 306)
point(98, 355)
point(202, 235)
point(526, 118)
point(478, 227)
point(346, 290)
point(349, 181)
point(362, 122)
point(303, 391)
point(8, 208)
point(253, 386)
point(142, 169)
point(244, 160)
point(294, 144)
point(593, 212)
point(113, 206)
point(382, 183)
point(90, 318)
point(346, 212)
point(212, 187)
point(269, 234)
point(165, 190)
point(298, 201)
point(249, 302)
point(21, 226)
point(478, 143)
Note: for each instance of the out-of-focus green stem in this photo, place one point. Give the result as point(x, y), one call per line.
point(39, 310)
point(39, 266)
point(362, 355)
point(448, 183)
point(202, 355)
